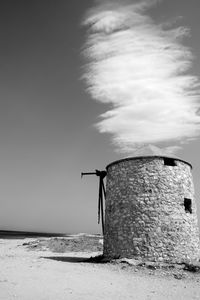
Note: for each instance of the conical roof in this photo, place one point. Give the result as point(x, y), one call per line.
point(152, 150)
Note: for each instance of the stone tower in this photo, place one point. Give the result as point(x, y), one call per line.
point(150, 210)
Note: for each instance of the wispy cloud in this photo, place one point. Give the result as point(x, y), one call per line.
point(142, 69)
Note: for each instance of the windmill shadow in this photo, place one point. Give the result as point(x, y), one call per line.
point(75, 259)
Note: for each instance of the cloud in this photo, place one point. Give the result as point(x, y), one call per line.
point(142, 70)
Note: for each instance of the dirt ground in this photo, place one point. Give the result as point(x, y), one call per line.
point(56, 269)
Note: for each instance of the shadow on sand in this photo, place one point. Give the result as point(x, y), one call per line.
point(67, 259)
point(75, 259)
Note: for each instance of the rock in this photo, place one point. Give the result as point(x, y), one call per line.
point(192, 267)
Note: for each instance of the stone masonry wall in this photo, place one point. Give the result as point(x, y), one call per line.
point(145, 216)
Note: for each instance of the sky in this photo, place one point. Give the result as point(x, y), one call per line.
point(48, 134)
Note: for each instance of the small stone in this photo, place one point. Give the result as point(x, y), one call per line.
point(178, 276)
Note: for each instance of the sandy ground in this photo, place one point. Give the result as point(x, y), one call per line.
point(28, 274)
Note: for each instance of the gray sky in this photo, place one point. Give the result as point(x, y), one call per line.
point(47, 134)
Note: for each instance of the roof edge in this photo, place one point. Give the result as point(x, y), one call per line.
point(146, 156)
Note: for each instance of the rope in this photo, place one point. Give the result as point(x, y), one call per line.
point(102, 195)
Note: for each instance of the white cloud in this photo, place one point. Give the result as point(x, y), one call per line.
point(140, 68)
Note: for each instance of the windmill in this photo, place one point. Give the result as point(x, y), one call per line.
point(102, 194)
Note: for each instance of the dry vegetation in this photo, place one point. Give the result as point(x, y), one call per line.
point(78, 243)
